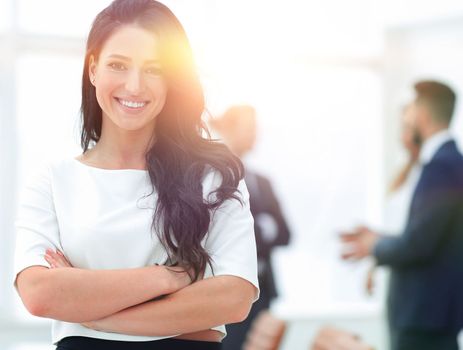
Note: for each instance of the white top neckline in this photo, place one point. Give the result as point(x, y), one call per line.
point(108, 170)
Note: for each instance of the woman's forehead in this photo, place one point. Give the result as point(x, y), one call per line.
point(132, 43)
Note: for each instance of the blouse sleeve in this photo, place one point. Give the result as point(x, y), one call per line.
point(35, 225)
point(231, 241)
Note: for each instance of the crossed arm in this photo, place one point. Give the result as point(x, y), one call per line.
point(201, 305)
point(122, 300)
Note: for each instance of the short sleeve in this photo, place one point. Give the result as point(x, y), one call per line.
point(35, 224)
point(231, 240)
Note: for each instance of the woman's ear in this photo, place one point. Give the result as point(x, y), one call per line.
point(92, 69)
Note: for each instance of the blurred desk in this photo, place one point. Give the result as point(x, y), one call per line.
point(317, 289)
point(304, 319)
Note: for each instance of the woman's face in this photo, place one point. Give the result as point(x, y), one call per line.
point(409, 130)
point(130, 88)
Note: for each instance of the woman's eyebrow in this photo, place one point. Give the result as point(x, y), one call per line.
point(121, 57)
point(128, 59)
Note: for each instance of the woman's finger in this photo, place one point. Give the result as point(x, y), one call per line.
point(50, 252)
point(58, 258)
point(48, 260)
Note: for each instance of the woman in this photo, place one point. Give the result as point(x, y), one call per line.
point(145, 241)
point(401, 189)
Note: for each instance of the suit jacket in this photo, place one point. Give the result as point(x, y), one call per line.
point(262, 200)
point(426, 285)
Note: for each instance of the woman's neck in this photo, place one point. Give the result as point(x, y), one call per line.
point(110, 154)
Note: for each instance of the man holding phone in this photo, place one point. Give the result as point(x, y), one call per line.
point(425, 299)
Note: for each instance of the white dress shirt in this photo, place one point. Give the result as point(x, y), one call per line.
point(432, 145)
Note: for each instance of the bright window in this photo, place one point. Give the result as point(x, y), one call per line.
point(58, 17)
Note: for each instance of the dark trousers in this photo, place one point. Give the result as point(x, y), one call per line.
point(85, 343)
point(236, 332)
point(410, 339)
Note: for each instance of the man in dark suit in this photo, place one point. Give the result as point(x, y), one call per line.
point(425, 299)
point(270, 229)
point(238, 128)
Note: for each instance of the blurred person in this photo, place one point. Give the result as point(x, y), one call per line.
point(401, 188)
point(146, 239)
point(411, 141)
point(425, 303)
point(238, 127)
point(266, 332)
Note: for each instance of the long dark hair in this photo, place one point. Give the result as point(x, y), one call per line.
point(183, 150)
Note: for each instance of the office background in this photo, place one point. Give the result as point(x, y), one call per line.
point(328, 80)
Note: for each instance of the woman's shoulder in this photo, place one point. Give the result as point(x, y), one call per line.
point(48, 166)
point(42, 175)
point(62, 166)
point(211, 175)
point(213, 179)
point(52, 170)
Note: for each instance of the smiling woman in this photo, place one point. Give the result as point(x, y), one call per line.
point(145, 240)
point(128, 79)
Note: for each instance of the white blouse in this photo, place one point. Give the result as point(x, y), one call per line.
point(101, 219)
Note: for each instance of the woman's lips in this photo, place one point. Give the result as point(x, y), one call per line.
point(132, 104)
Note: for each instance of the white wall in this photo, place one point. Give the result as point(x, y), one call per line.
point(425, 50)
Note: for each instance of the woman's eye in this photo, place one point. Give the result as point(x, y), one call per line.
point(117, 66)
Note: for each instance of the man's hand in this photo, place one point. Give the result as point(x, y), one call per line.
point(329, 338)
point(358, 243)
point(370, 281)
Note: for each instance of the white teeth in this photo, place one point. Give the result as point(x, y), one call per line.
point(132, 104)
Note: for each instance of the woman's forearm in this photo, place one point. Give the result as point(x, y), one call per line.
point(202, 305)
point(79, 295)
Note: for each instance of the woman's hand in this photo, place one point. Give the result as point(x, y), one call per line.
point(95, 325)
point(56, 259)
point(101, 325)
point(179, 276)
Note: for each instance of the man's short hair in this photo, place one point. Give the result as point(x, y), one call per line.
point(439, 97)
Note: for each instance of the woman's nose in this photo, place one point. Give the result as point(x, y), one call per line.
point(135, 84)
